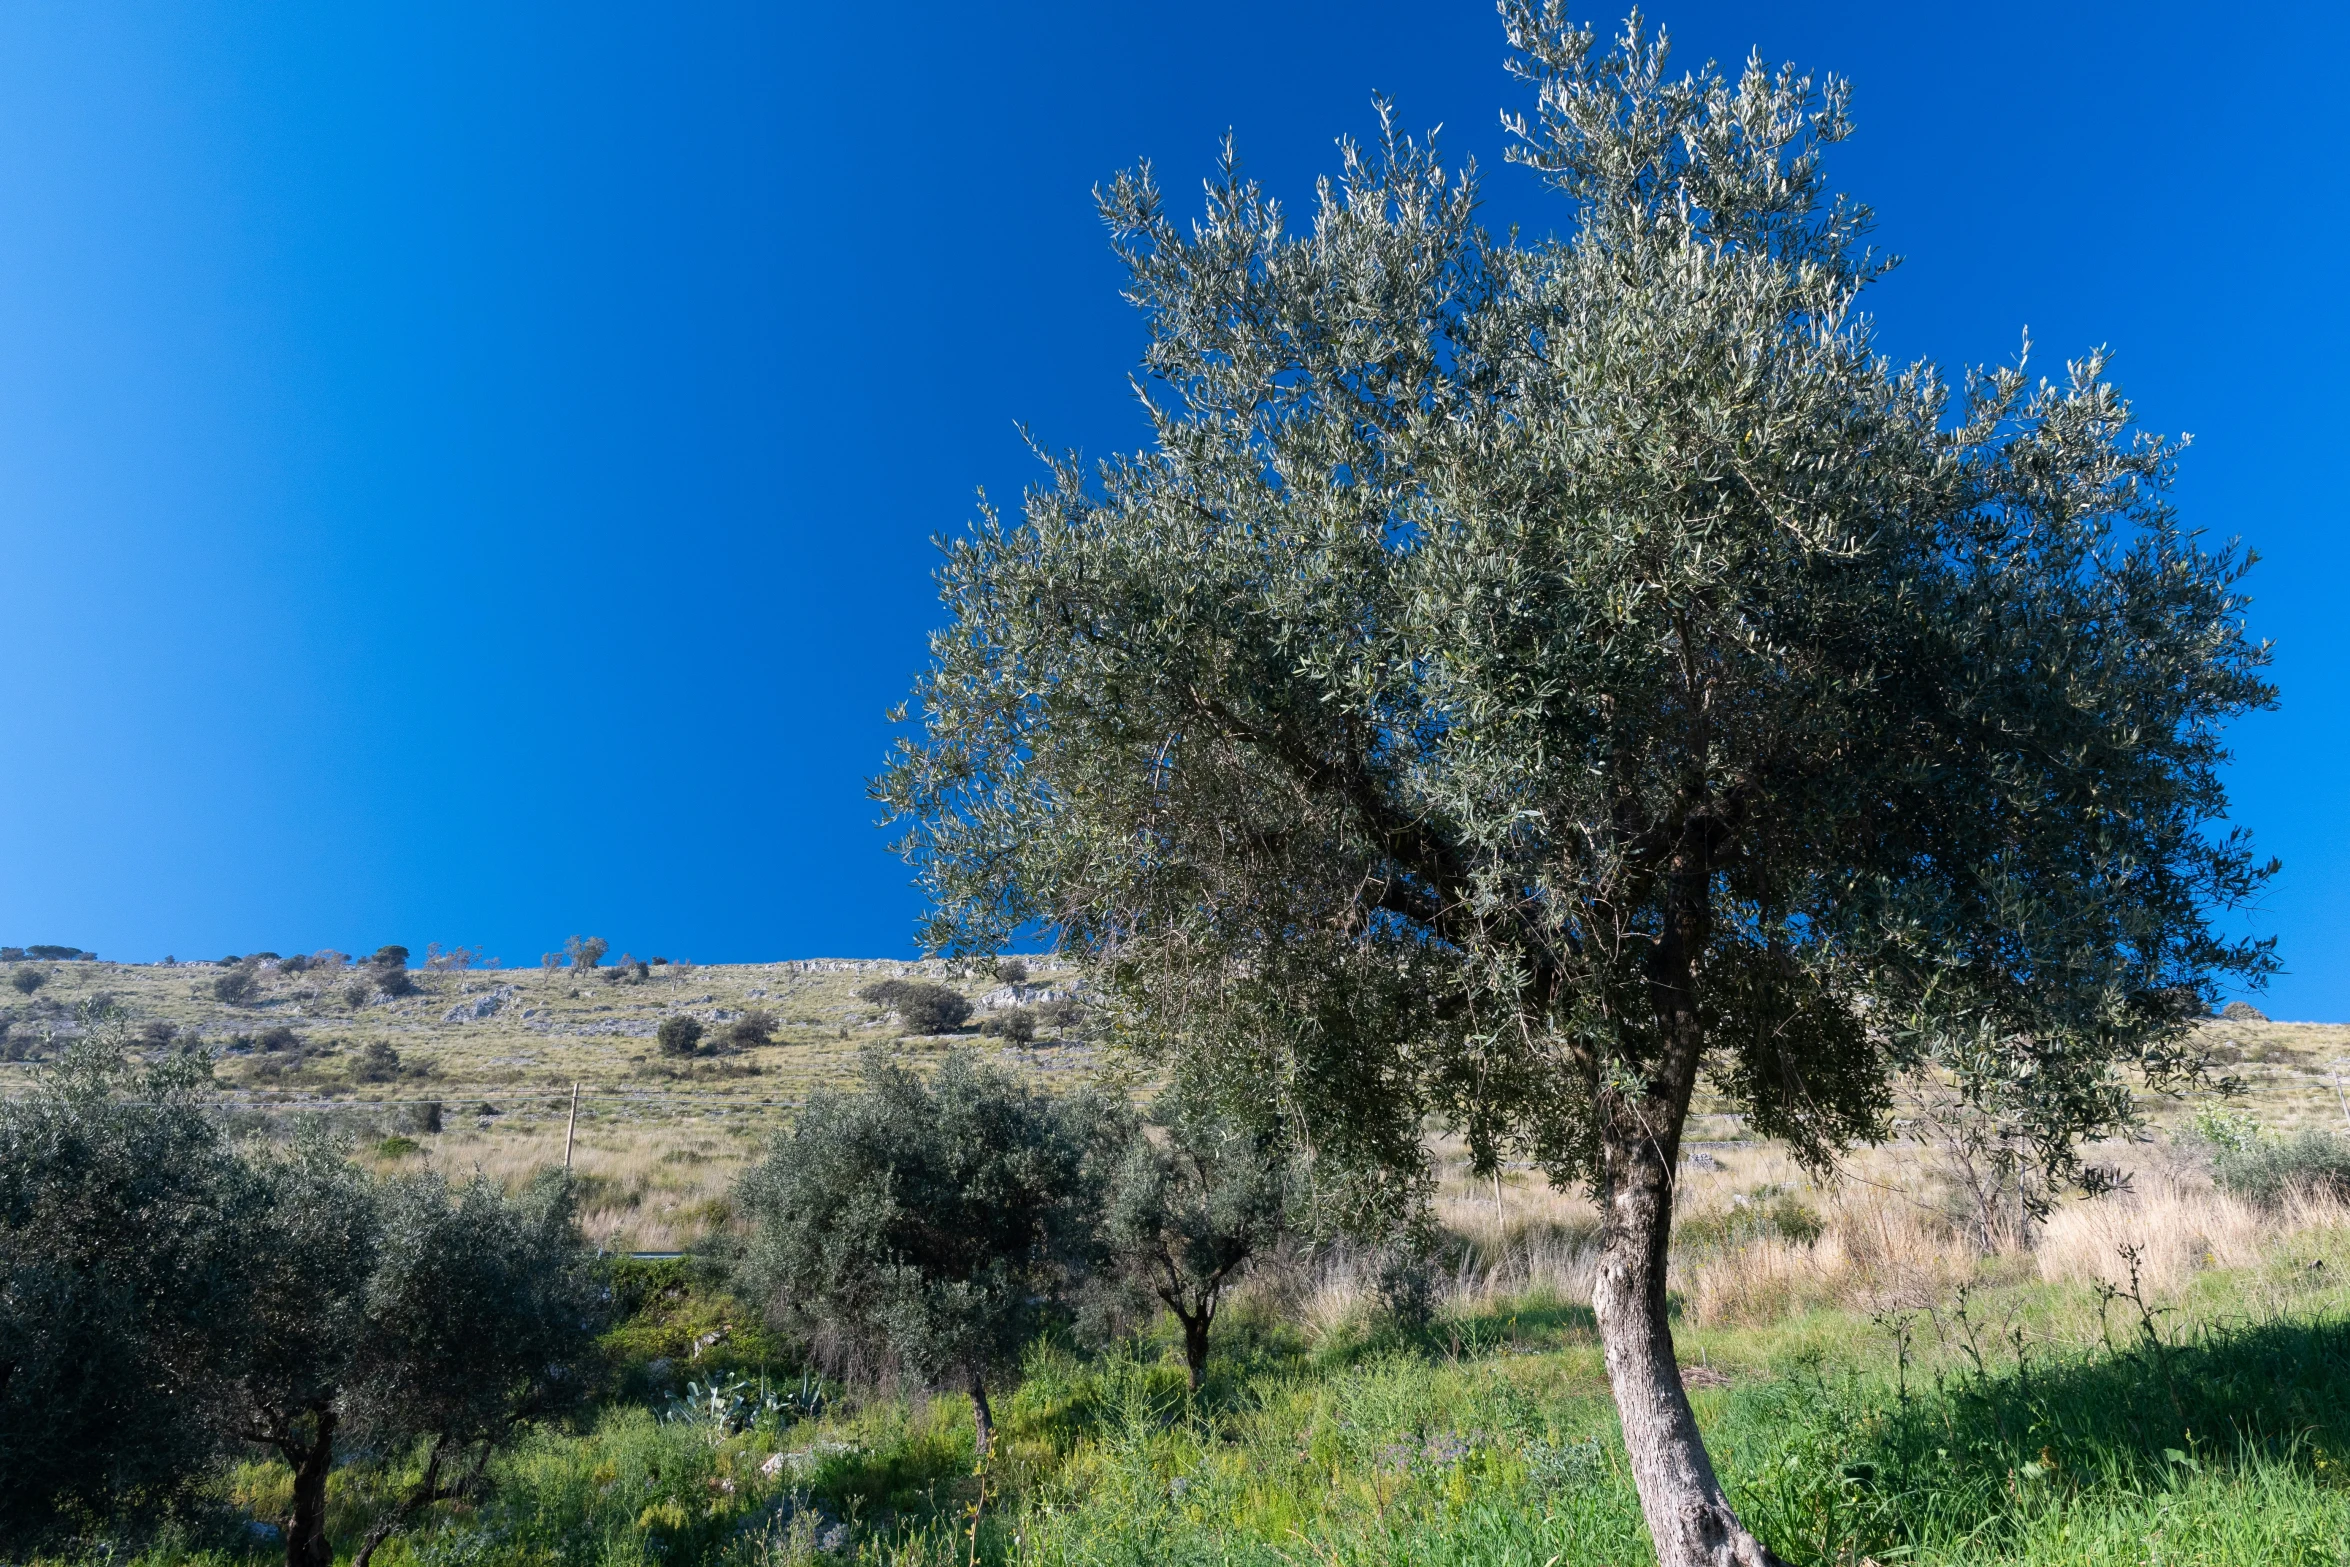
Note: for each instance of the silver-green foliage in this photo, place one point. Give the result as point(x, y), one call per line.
point(1522, 673)
point(924, 1228)
point(121, 1249)
point(1190, 1208)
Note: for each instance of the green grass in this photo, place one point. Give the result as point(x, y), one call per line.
point(2027, 1425)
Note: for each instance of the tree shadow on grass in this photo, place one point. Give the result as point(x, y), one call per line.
point(1828, 1470)
point(2148, 1402)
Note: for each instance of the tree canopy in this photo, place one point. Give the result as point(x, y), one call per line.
point(924, 1228)
point(1522, 676)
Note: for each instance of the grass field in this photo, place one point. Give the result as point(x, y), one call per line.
point(1914, 1407)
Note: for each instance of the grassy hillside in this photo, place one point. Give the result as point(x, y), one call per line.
point(499, 1051)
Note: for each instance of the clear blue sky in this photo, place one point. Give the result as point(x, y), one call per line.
point(466, 472)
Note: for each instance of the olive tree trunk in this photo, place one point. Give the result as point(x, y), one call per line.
point(306, 1541)
point(1195, 1342)
point(1689, 1518)
point(982, 1417)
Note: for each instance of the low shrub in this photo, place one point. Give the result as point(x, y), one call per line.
point(236, 987)
point(376, 1062)
point(679, 1035)
point(923, 1008)
point(27, 980)
point(753, 1029)
point(1016, 1024)
point(2265, 1170)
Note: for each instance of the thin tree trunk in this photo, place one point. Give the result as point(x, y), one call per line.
point(982, 1418)
point(1195, 1346)
point(428, 1490)
point(306, 1541)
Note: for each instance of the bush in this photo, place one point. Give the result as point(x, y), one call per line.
point(422, 1116)
point(275, 1039)
point(1065, 1016)
point(236, 987)
point(922, 1008)
point(1188, 1211)
point(124, 1213)
point(376, 1062)
point(293, 965)
point(679, 1035)
point(2242, 1012)
point(1017, 1024)
point(753, 1029)
point(358, 993)
point(2266, 1170)
point(1012, 971)
point(27, 980)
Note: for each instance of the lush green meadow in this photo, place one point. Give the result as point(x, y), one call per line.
point(2012, 1421)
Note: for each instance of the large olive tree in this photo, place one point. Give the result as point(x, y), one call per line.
point(1523, 677)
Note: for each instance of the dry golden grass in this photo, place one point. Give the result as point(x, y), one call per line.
point(660, 1141)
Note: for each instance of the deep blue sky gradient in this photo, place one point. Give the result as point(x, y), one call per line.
point(467, 472)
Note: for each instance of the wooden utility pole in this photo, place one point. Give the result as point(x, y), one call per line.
point(572, 1130)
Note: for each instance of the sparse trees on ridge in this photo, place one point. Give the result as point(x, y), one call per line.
point(1523, 677)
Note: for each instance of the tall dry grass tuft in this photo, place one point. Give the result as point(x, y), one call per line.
point(1874, 1251)
point(2178, 1226)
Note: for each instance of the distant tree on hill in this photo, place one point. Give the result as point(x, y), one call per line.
point(679, 1035)
point(585, 952)
point(27, 979)
point(923, 1008)
point(1016, 1024)
point(238, 986)
point(1011, 971)
point(753, 1029)
point(450, 960)
point(926, 1228)
point(387, 967)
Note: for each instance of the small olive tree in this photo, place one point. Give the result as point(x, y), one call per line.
point(927, 1228)
point(1523, 677)
point(1191, 1204)
point(125, 1218)
point(404, 1314)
